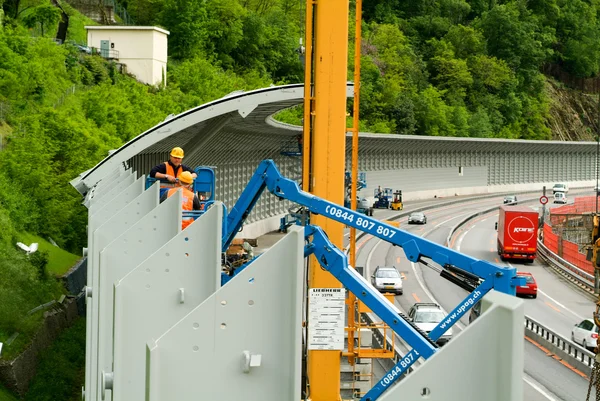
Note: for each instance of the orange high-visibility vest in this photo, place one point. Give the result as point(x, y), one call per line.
point(172, 172)
point(187, 203)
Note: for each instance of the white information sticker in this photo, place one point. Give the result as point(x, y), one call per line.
point(326, 318)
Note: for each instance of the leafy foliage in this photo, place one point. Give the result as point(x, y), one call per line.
point(61, 368)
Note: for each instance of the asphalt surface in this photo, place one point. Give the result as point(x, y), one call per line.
point(559, 305)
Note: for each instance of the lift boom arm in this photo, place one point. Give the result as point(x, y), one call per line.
point(268, 176)
point(463, 270)
point(335, 262)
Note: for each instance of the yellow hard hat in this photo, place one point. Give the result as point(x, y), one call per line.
point(177, 152)
point(186, 178)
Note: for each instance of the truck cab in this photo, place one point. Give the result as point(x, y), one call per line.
point(560, 187)
point(517, 233)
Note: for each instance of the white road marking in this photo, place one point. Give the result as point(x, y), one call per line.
point(561, 305)
point(537, 386)
point(368, 264)
point(430, 295)
point(445, 221)
point(556, 302)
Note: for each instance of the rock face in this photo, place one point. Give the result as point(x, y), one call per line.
point(100, 11)
point(573, 114)
point(574, 105)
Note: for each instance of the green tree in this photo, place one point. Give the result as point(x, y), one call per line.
point(224, 28)
point(513, 35)
point(45, 15)
point(185, 20)
point(480, 125)
point(466, 41)
point(433, 114)
point(449, 73)
point(578, 37)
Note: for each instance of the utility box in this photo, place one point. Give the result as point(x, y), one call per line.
point(142, 49)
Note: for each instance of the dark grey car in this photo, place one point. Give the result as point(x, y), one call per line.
point(417, 218)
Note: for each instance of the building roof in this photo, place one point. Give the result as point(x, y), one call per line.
point(125, 28)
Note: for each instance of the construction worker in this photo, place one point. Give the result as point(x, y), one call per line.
point(171, 169)
point(189, 200)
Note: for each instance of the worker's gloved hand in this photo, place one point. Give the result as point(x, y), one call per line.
point(170, 178)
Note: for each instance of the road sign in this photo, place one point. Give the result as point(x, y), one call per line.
point(543, 199)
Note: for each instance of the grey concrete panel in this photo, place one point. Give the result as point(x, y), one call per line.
point(491, 354)
point(413, 180)
point(204, 352)
point(105, 198)
point(153, 227)
point(104, 185)
point(112, 179)
point(158, 293)
point(103, 227)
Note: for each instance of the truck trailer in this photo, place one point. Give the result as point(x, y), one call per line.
point(517, 233)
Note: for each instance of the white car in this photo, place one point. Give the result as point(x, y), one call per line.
point(426, 316)
point(585, 333)
point(560, 188)
point(387, 279)
point(560, 197)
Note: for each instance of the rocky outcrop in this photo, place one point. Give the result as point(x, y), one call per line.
point(573, 114)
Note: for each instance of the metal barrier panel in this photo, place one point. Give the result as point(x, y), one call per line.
point(112, 179)
point(150, 230)
point(243, 342)
point(103, 227)
point(484, 361)
point(158, 293)
point(104, 197)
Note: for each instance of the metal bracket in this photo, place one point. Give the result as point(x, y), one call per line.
point(251, 361)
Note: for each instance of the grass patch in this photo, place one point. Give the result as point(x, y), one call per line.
point(6, 395)
point(27, 328)
point(59, 260)
point(61, 372)
point(28, 286)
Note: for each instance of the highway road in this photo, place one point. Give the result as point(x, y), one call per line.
point(559, 305)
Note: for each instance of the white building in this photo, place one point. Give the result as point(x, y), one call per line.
point(143, 49)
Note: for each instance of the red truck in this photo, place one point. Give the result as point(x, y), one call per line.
point(517, 233)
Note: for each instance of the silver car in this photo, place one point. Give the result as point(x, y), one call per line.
point(387, 279)
point(426, 316)
point(417, 218)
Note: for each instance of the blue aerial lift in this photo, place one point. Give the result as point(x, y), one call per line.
point(476, 276)
point(204, 184)
point(383, 198)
